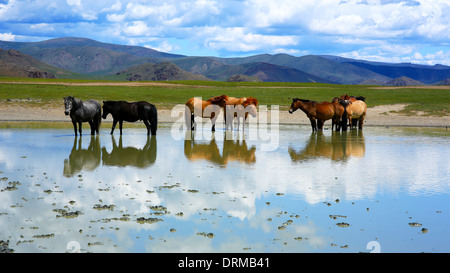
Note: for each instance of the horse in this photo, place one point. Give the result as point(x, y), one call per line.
point(205, 109)
point(82, 159)
point(356, 110)
point(240, 108)
point(131, 112)
point(89, 111)
point(320, 111)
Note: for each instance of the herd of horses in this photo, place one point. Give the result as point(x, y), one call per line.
point(343, 111)
point(339, 110)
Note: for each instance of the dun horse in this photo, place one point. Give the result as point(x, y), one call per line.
point(320, 111)
point(356, 110)
point(206, 109)
point(89, 111)
point(240, 108)
point(131, 112)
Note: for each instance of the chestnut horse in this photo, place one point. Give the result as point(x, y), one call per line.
point(240, 108)
point(320, 111)
point(206, 109)
point(356, 110)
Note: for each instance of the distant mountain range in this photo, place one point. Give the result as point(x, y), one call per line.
point(86, 58)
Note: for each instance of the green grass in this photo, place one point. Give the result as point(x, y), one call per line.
point(434, 102)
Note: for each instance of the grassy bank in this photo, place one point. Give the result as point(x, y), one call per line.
point(430, 100)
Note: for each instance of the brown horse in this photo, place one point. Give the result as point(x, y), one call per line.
point(320, 111)
point(205, 109)
point(356, 110)
point(240, 108)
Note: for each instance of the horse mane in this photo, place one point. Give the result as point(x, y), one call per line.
point(76, 102)
point(302, 100)
point(110, 102)
point(218, 99)
point(346, 97)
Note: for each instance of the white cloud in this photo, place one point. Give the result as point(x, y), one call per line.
point(238, 39)
point(115, 7)
point(164, 47)
point(73, 2)
point(136, 28)
point(7, 37)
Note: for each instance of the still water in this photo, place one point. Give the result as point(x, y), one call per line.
point(383, 189)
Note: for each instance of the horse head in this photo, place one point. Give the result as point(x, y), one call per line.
point(107, 107)
point(68, 104)
point(250, 106)
point(250, 100)
point(294, 105)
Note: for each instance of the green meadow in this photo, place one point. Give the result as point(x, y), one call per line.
point(431, 100)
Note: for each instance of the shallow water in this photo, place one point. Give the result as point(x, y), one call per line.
point(384, 189)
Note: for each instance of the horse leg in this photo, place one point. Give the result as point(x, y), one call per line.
point(75, 127)
point(147, 124)
point(213, 123)
point(79, 127)
point(193, 125)
point(120, 126)
point(114, 126)
point(313, 124)
point(361, 121)
point(92, 124)
point(97, 122)
point(320, 124)
point(153, 121)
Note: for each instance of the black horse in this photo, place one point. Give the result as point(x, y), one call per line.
point(79, 111)
point(131, 112)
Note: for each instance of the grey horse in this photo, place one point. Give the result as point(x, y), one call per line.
point(89, 111)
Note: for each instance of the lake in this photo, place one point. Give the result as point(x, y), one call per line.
point(380, 189)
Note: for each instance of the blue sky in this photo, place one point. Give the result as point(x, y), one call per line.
point(376, 30)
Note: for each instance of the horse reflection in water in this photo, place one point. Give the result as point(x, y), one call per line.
point(130, 156)
point(82, 159)
point(337, 147)
point(232, 150)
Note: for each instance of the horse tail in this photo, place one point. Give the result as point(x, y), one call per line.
point(153, 119)
point(344, 115)
point(98, 118)
point(189, 114)
point(344, 120)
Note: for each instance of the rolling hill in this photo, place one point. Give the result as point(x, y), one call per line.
point(223, 69)
point(16, 64)
point(87, 57)
point(424, 73)
point(164, 71)
point(30, 47)
point(274, 73)
point(403, 81)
